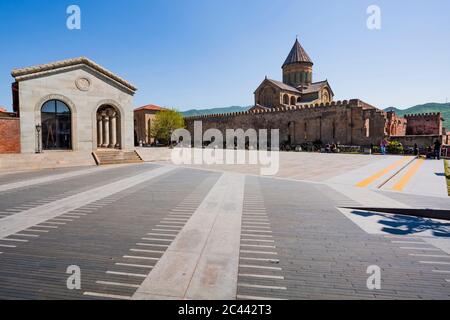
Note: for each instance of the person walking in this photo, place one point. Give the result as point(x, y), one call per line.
point(437, 150)
point(383, 145)
point(416, 150)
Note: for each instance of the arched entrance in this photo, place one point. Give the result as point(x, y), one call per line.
point(56, 120)
point(108, 128)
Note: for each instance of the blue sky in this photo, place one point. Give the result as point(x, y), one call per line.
point(214, 53)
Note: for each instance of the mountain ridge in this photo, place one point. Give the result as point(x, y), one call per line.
point(432, 107)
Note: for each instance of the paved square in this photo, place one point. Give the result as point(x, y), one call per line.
point(157, 231)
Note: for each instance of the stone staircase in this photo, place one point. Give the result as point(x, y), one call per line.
point(105, 157)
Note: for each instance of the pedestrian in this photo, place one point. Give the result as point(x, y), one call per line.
point(383, 145)
point(416, 150)
point(437, 150)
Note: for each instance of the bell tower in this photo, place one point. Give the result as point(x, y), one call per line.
point(298, 67)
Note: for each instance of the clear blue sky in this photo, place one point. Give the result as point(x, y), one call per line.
point(214, 53)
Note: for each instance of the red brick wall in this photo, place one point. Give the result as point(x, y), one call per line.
point(9, 135)
point(424, 124)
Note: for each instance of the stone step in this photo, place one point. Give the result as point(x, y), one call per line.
point(116, 157)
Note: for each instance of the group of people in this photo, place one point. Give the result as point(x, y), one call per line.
point(434, 151)
point(331, 148)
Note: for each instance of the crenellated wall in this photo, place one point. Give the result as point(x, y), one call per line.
point(424, 124)
point(350, 122)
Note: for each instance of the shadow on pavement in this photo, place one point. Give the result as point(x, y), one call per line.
point(399, 224)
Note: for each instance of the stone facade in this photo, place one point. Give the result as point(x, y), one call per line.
point(143, 118)
point(348, 122)
point(9, 135)
point(396, 126)
point(85, 88)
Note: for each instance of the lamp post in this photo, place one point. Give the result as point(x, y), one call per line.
point(38, 132)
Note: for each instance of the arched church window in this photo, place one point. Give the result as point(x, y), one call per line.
point(286, 99)
point(325, 96)
point(56, 121)
point(293, 101)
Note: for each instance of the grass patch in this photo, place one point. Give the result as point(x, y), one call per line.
point(447, 174)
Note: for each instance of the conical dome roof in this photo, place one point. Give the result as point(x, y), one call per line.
point(297, 55)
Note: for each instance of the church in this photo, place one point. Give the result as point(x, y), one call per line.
point(297, 87)
point(306, 114)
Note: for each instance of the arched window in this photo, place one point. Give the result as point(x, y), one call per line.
point(325, 96)
point(285, 99)
point(293, 100)
point(56, 120)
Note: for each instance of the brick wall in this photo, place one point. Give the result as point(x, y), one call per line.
point(9, 135)
point(396, 125)
point(424, 124)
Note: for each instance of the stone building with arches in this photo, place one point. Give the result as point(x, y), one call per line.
point(73, 105)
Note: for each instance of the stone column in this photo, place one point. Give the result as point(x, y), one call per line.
point(105, 130)
point(118, 132)
point(112, 129)
point(99, 131)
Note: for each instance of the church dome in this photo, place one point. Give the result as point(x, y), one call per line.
point(297, 55)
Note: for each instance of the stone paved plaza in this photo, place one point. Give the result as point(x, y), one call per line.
point(158, 231)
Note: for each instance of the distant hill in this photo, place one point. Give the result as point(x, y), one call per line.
point(195, 112)
point(443, 108)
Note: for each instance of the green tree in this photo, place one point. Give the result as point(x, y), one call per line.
point(395, 147)
point(165, 122)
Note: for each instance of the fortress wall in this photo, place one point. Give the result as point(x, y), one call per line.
point(424, 124)
point(345, 122)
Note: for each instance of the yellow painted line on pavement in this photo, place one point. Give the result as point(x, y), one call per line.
point(381, 173)
point(408, 175)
